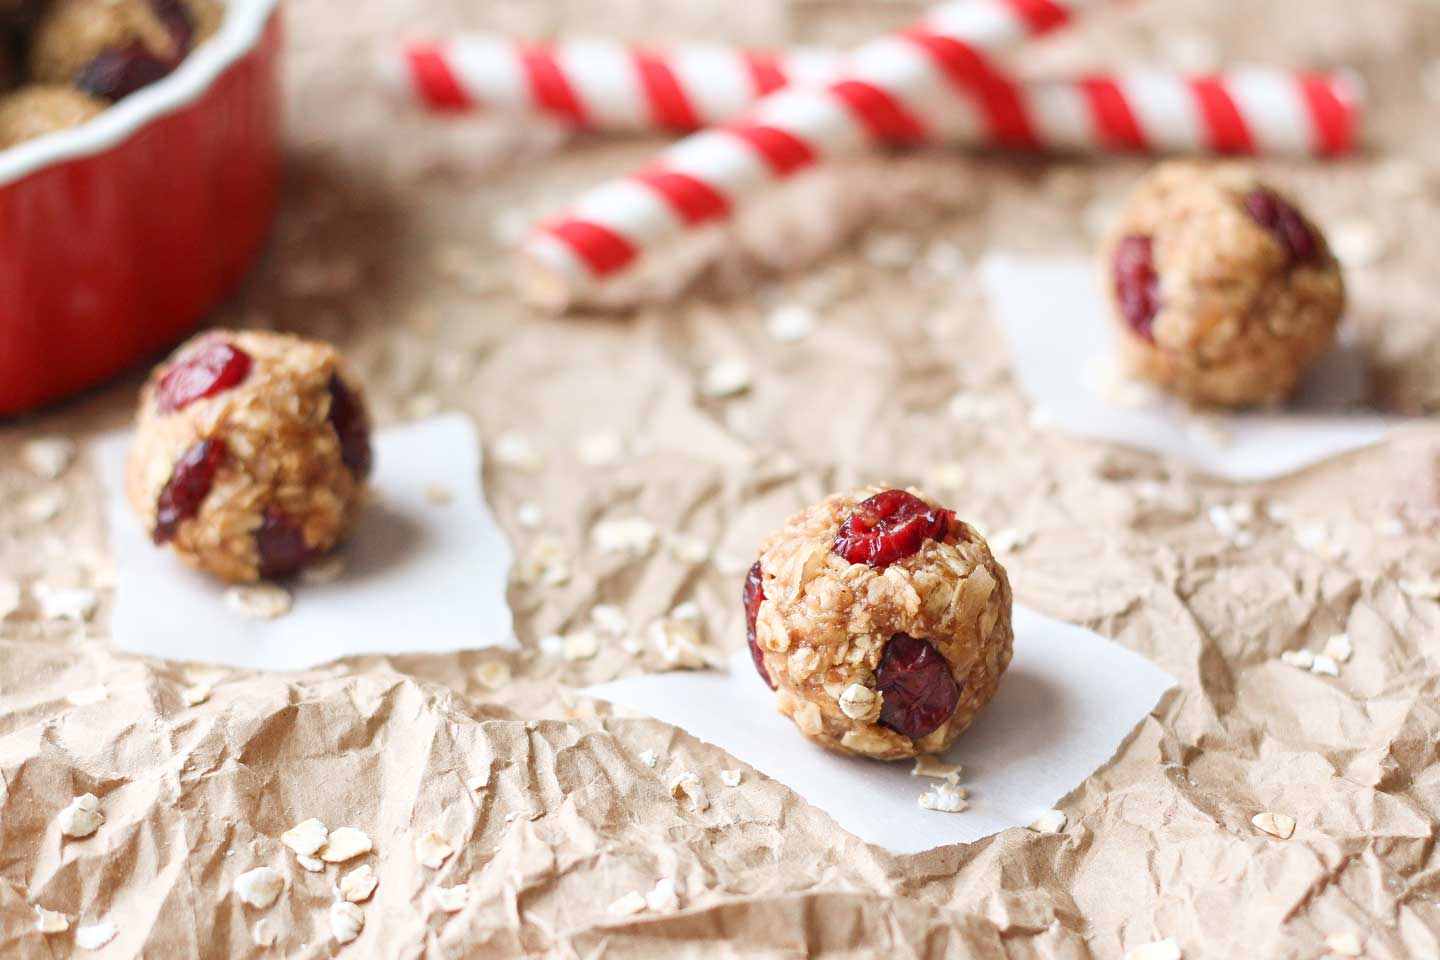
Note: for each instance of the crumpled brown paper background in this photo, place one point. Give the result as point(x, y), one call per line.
point(392, 244)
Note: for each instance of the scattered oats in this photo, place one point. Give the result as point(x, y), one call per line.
point(1325, 665)
point(42, 506)
point(628, 535)
point(1222, 521)
point(609, 619)
point(1278, 825)
point(82, 818)
point(944, 798)
point(306, 838)
point(1051, 821)
point(477, 784)
point(725, 378)
point(927, 766)
point(75, 604)
point(263, 933)
point(1316, 537)
point(9, 598)
point(1167, 949)
point(689, 610)
point(328, 570)
point(650, 758)
point(1242, 512)
point(690, 548)
point(680, 641)
point(1208, 429)
point(48, 457)
point(493, 674)
point(552, 645)
point(603, 449)
point(1357, 243)
point(87, 696)
point(259, 601)
point(439, 495)
point(95, 936)
point(580, 645)
point(628, 905)
point(1303, 659)
point(548, 563)
point(1345, 944)
point(344, 844)
point(664, 897)
point(50, 921)
point(1279, 512)
point(529, 515)
point(312, 864)
point(195, 694)
point(1009, 539)
point(451, 899)
point(632, 645)
point(890, 250)
point(259, 887)
point(432, 850)
point(972, 406)
point(690, 786)
point(357, 885)
point(731, 778)
point(1391, 526)
point(516, 450)
point(1427, 588)
point(731, 564)
point(1339, 648)
point(944, 259)
point(789, 323)
point(859, 702)
point(346, 921)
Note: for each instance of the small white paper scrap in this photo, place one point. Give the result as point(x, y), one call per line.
point(1065, 705)
point(418, 578)
point(1053, 315)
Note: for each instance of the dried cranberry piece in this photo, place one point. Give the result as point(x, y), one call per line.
point(919, 692)
point(1286, 224)
point(754, 595)
point(890, 526)
point(1137, 287)
point(117, 72)
point(214, 368)
point(187, 487)
point(352, 426)
point(281, 546)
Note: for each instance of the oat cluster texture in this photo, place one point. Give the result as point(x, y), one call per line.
point(392, 243)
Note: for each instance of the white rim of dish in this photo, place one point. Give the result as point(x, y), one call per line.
point(245, 20)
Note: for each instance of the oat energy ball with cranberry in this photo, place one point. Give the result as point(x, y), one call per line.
point(38, 109)
point(1222, 291)
point(881, 621)
point(111, 48)
point(251, 453)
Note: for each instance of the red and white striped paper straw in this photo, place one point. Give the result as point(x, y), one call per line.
point(891, 85)
point(610, 86)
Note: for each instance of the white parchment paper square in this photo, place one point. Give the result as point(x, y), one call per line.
point(419, 576)
point(1065, 705)
point(1052, 313)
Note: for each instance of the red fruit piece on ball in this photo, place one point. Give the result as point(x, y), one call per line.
point(1285, 224)
point(1137, 287)
point(754, 595)
point(352, 427)
point(187, 487)
point(281, 546)
point(214, 368)
point(118, 72)
point(890, 526)
point(919, 692)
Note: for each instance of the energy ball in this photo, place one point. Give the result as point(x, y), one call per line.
point(1222, 292)
point(111, 48)
point(251, 453)
point(881, 621)
point(38, 109)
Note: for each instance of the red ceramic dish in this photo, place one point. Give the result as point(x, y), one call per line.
point(118, 236)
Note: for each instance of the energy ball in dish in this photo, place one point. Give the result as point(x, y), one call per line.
point(881, 621)
point(38, 109)
point(251, 453)
point(111, 48)
point(1222, 291)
